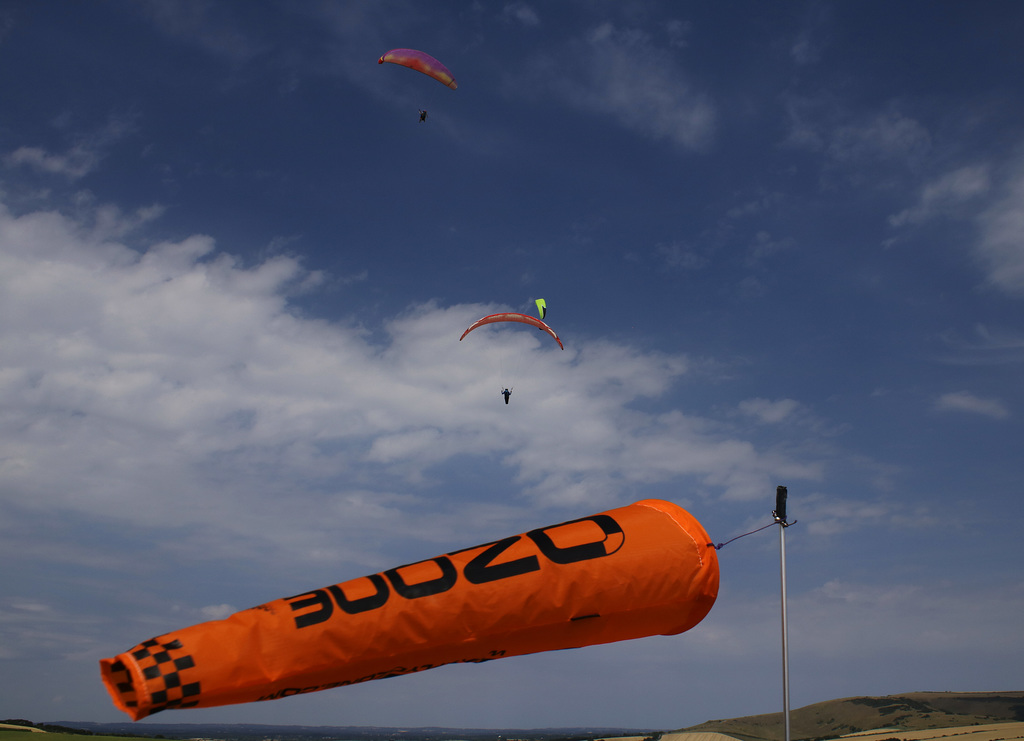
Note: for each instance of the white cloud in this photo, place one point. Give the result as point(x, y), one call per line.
point(81, 158)
point(998, 339)
point(521, 13)
point(678, 33)
point(984, 345)
point(681, 256)
point(1001, 245)
point(175, 388)
point(804, 129)
point(888, 135)
point(813, 37)
point(830, 515)
point(623, 74)
point(804, 50)
point(210, 26)
point(765, 246)
point(965, 401)
point(767, 411)
point(840, 616)
point(73, 164)
point(863, 625)
point(854, 143)
point(37, 630)
point(756, 206)
point(945, 194)
point(217, 612)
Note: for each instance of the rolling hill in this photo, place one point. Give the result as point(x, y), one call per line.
point(910, 711)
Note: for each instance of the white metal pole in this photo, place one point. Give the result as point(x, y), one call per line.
point(785, 630)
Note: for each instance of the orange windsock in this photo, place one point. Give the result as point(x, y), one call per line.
point(644, 569)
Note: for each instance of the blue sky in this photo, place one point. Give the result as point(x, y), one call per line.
point(783, 243)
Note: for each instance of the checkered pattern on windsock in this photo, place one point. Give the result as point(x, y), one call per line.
point(165, 669)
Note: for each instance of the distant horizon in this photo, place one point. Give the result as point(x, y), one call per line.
point(149, 722)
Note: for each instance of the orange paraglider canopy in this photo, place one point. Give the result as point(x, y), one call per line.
point(509, 316)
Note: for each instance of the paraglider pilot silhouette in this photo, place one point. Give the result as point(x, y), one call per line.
point(423, 115)
point(506, 393)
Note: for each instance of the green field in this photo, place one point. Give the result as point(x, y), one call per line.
point(9, 734)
